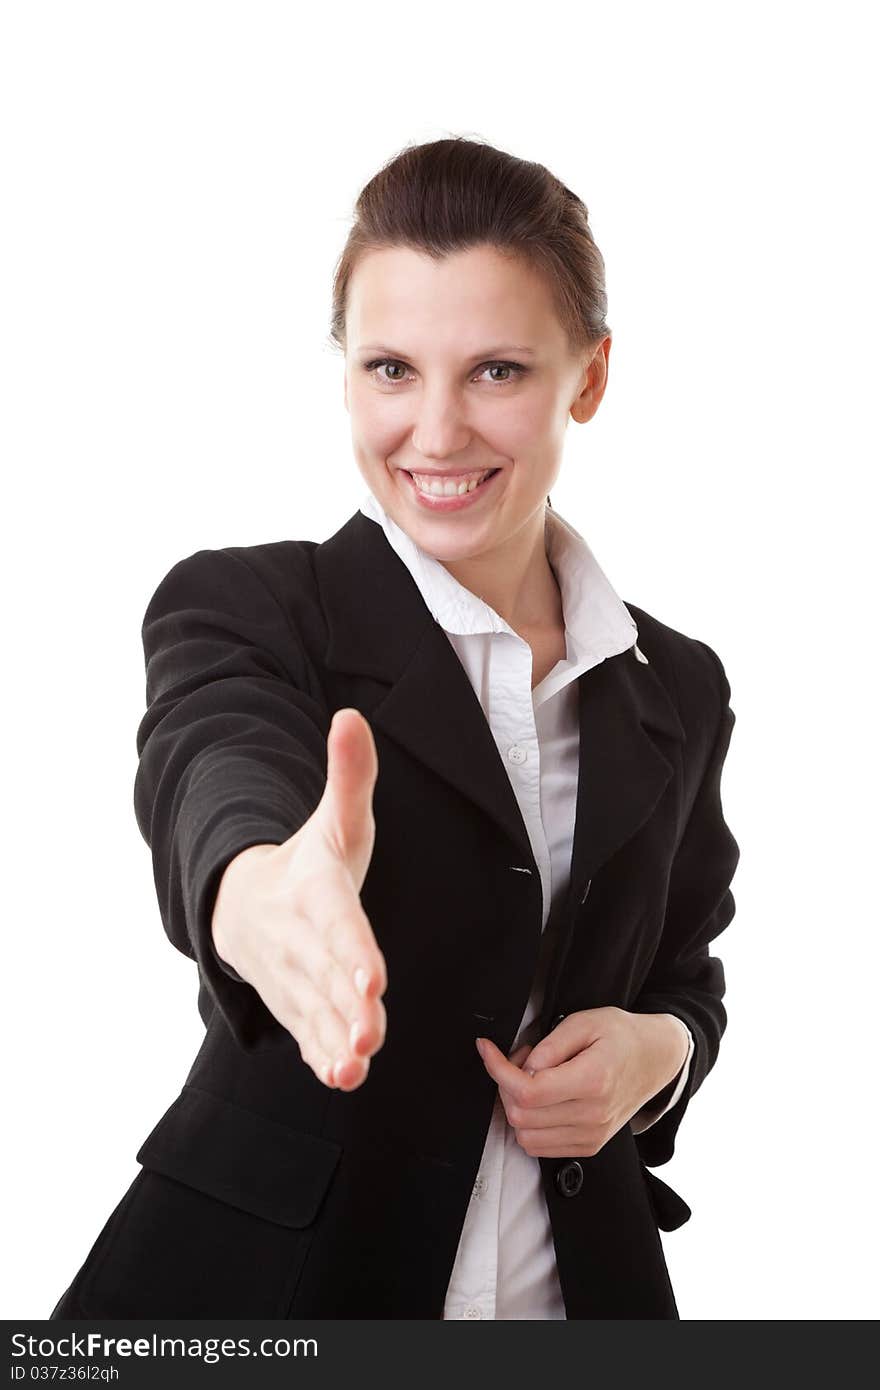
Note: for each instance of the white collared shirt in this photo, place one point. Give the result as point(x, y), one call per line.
point(505, 1266)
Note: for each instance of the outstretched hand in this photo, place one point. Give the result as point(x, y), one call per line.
point(289, 919)
point(572, 1091)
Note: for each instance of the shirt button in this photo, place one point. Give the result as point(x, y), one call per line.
point(472, 1313)
point(479, 1187)
point(517, 754)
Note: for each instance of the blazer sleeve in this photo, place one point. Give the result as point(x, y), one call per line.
point(232, 752)
point(684, 978)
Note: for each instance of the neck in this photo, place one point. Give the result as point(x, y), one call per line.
point(516, 579)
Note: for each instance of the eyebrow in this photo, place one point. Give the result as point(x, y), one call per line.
point(487, 352)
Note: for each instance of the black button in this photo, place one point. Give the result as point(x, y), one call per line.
point(570, 1178)
point(557, 1020)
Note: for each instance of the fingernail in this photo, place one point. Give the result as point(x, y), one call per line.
point(480, 1046)
point(354, 1033)
point(361, 980)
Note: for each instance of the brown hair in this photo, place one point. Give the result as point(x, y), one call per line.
point(448, 195)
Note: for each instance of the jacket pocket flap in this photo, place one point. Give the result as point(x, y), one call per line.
point(670, 1210)
point(241, 1158)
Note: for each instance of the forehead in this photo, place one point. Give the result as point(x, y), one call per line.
point(476, 296)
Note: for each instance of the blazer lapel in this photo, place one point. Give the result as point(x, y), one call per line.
point(629, 728)
point(380, 627)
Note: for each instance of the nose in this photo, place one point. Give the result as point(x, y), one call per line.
point(440, 429)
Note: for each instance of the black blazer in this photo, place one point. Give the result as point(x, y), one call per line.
point(263, 1192)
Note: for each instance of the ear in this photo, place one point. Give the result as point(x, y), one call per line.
point(594, 380)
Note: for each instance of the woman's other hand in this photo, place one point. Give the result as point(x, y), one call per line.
point(580, 1084)
point(288, 918)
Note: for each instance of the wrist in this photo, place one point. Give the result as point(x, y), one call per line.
point(666, 1043)
point(228, 890)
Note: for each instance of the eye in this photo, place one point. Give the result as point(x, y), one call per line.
point(374, 369)
point(513, 367)
point(371, 368)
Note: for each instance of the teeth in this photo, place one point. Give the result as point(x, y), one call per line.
point(449, 487)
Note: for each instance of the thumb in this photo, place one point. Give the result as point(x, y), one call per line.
point(346, 807)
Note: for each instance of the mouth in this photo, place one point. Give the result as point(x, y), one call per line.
point(450, 493)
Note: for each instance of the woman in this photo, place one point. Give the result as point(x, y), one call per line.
point(439, 818)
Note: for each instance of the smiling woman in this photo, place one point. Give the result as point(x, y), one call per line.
point(438, 817)
point(445, 407)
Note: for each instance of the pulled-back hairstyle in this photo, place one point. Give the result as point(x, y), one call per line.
point(450, 195)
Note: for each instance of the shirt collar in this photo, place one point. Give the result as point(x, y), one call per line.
point(598, 624)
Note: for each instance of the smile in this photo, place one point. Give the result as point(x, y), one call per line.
point(450, 493)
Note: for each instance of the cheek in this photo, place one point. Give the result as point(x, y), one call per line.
point(376, 432)
point(527, 423)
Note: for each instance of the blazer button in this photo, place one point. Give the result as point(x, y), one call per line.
point(557, 1020)
point(570, 1178)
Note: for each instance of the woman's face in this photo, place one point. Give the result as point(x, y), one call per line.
point(453, 368)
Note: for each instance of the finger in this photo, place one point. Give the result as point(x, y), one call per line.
point(352, 1073)
point(550, 1086)
point(367, 1031)
point(343, 1069)
point(499, 1067)
point(321, 1065)
point(565, 1114)
point(321, 1062)
point(339, 1037)
point(564, 1142)
point(331, 904)
point(518, 1057)
point(362, 1020)
point(576, 1033)
point(316, 1023)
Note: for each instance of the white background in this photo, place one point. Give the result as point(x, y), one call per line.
point(178, 180)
